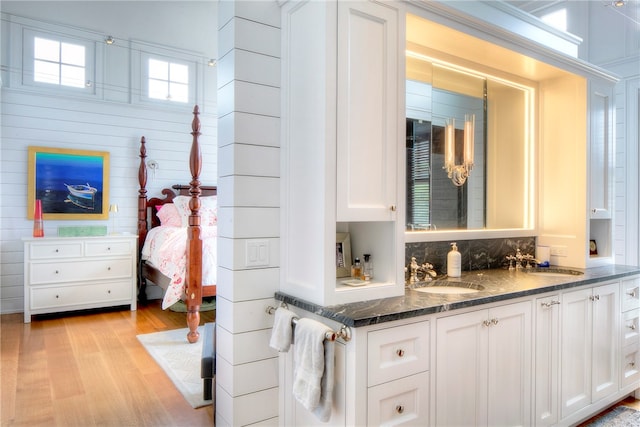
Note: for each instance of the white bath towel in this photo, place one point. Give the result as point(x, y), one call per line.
point(310, 365)
point(282, 332)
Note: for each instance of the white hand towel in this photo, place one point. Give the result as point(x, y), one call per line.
point(323, 411)
point(282, 332)
point(310, 365)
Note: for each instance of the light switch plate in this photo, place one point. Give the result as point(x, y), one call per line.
point(257, 253)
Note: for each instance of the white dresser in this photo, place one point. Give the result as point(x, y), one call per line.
point(74, 273)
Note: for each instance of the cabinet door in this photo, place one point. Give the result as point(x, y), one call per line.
point(461, 369)
point(367, 111)
point(509, 380)
point(606, 315)
point(575, 354)
point(545, 372)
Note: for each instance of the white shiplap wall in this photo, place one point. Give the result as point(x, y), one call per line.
point(249, 200)
point(31, 118)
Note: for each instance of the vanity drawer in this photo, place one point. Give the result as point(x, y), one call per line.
point(55, 250)
point(631, 327)
point(630, 293)
point(80, 270)
point(45, 298)
point(398, 352)
point(400, 402)
point(630, 365)
point(108, 248)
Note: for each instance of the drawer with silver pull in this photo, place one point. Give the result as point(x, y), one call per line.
point(49, 297)
point(630, 327)
point(108, 248)
point(70, 271)
point(398, 352)
point(630, 293)
point(400, 402)
point(630, 365)
point(55, 250)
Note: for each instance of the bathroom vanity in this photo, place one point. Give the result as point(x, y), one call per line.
point(527, 348)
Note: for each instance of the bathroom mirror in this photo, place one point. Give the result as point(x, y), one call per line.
point(497, 192)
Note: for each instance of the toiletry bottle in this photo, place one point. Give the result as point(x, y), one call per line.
point(356, 269)
point(454, 262)
point(368, 267)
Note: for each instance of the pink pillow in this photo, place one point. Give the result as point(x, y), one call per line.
point(208, 209)
point(168, 215)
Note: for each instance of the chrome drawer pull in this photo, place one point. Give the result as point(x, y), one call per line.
point(550, 303)
point(595, 298)
point(632, 294)
point(486, 323)
point(108, 268)
point(400, 352)
point(632, 326)
point(400, 409)
point(57, 272)
point(494, 321)
point(57, 251)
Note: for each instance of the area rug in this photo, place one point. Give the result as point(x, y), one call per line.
point(621, 416)
point(208, 304)
point(179, 360)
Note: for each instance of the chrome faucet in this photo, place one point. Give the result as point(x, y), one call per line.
point(519, 258)
point(414, 269)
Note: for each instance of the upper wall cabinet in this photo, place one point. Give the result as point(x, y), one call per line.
point(367, 109)
point(342, 64)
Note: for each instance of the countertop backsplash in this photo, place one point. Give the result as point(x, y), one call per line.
point(481, 254)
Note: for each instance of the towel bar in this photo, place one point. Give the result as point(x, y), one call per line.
point(344, 332)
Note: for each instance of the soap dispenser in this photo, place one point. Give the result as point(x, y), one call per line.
point(454, 261)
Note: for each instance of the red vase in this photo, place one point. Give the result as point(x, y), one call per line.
point(38, 225)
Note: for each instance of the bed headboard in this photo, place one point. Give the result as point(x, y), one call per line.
point(169, 195)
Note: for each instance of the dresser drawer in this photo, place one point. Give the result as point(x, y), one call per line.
point(68, 271)
point(55, 250)
point(630, 293)
point(631, 327)
point(45, 298)
point(398, 352)
point(108, 248)
point(400, 402)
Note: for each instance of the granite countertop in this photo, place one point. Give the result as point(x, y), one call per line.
point(498, 285)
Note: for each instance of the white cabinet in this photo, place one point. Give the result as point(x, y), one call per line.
point(483, 367)
point(342, 65)
point(630, 333)
point(74, 273)
point(397, 375)
point(547, 355)
point(601, 171)
point(589, 347)
point(367, 112)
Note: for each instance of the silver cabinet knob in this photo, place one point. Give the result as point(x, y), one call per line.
point(400, 352)
point(392, 208)
point(399, 409)
point(486, 323)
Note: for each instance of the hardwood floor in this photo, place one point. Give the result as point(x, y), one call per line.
point(88, 368)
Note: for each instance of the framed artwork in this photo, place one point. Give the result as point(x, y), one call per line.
point(343, 255)
point(593, 247)
point(72, 184)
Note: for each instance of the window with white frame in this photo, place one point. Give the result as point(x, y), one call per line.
point(168, 80)
point(58, 63)
point(165, 77)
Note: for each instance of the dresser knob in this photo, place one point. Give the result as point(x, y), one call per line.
point(57, 251)
point(400, 409)
point(393, 208)
point(109, 291)
point(632, 327)
point(108, 268)
point(57, 296)
point(56, 271)
point(108, 249)
point(400, 352)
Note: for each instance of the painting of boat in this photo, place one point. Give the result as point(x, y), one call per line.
point(83, 191)
point(81, 195)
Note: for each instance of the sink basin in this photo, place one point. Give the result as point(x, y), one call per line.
point(554, 272)
point(445, 287)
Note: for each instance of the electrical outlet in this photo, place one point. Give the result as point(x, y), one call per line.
point(559, 251)
point(257, 253)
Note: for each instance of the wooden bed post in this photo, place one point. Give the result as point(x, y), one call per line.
point(193, 284)
point(142, 217)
